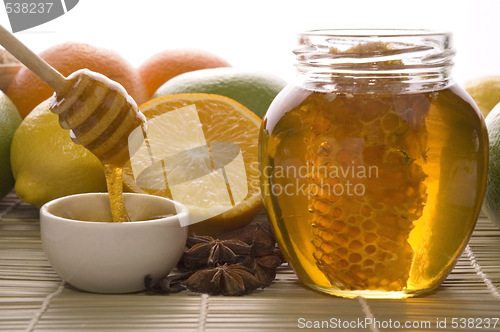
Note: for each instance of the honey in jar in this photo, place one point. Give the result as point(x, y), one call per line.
point(373, 163)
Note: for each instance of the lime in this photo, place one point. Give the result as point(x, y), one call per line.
point(10, 119)
point(254, 90)
point(47, 164)
point(491, 204)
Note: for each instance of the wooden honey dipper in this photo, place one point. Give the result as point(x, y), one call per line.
point(98, 111)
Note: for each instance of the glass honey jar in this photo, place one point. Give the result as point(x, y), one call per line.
point(373, 163)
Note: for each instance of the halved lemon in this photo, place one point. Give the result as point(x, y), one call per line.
point(174, 133)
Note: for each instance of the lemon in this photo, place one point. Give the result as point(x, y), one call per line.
point(485, 91)
point(253, 89)
point(10, 119)
point(491, 204)
point(47, 164)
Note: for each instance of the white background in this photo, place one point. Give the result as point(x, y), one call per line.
point(260, 35)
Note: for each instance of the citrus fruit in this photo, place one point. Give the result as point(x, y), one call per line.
point(9, 66)
point(222, 120)
point(47, 164)
point(27, 90)
point(491, 204)
point(9, 121)
point(255, 90)
point(485, 91)
point(169, 63)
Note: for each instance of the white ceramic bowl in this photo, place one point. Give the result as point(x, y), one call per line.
point(107, 257)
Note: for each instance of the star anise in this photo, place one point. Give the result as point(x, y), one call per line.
point(264, 257)
point(205, 251)
point(235, 264)
point(247, 234)
point(232, 280)
point(170, 284)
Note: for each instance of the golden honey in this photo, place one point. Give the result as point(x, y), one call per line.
point(372, 189)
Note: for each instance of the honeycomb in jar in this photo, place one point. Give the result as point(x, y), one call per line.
point(366, 185)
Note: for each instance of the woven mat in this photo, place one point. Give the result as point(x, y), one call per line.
point(33, 297)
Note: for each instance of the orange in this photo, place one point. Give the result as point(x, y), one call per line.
point(27, 90)
point(222, 120)
point(169, 63)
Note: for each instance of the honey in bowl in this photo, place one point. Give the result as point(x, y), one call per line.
point(373, 176)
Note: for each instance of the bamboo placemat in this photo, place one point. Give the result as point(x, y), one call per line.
point(33, 297)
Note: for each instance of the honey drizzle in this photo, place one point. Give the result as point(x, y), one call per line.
point(114, 175)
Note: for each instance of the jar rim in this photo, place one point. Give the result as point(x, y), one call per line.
point(404, 58)
point(376, 32)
